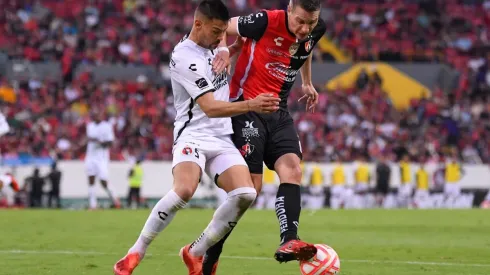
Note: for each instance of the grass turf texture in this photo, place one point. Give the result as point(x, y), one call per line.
point(369, 242)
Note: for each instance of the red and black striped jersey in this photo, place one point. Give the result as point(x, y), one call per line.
point(271, 56)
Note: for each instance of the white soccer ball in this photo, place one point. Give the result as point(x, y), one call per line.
point(325, 262)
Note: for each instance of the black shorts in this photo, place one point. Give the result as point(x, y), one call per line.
point(382, 188)
point(265, 138)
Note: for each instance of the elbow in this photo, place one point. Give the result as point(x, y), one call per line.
point(211, 112)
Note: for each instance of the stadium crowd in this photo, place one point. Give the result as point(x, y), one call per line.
point(48, 117)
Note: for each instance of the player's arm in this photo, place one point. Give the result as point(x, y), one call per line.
point(4, 126)
point(252, 26)
point(190, 73)
point(109, 138)
point(265, 103)
point(305, 71)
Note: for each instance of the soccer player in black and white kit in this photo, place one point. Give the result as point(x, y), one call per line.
point(202, 142)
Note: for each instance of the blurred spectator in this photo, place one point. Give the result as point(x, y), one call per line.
point(36, 183)
point(48, 117)
point(54, 178)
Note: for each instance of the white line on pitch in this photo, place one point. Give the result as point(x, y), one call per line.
point(69, 252)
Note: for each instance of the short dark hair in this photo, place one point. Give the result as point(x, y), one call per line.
point(308, 5)
point(214, 9)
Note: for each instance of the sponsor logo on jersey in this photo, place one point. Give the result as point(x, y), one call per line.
point(278, 41)
point(220, 81)
point(281, 71)
point(187, 150)
point(249, 130)
point(202, 83)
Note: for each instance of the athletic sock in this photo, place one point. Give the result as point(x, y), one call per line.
point(110, 193)
point(160, 217)
point(288, 209)
point(92, 198)
point(224, 219)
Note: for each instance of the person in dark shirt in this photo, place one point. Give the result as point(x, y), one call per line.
point(37, 184)
point(383, 174)
point(54, 178)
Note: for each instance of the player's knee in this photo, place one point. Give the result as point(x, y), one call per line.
point(257, 182)
point(295, 174)
point(244, 196)
point(185, 192)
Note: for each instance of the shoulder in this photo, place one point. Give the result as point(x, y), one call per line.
point(106, 125)
point(187, 56)
point(319, 29)
point(274, 14)
point(186, 51)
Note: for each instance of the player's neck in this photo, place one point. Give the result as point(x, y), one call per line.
point(193, 37)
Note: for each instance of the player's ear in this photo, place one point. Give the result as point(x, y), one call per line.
point(198, 23)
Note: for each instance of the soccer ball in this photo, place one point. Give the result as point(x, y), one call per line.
point(325, 262)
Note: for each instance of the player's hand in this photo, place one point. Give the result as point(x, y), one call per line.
point(221, 62)
point(264, 103)
point(311, 96)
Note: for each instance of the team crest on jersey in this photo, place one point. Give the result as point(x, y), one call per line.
point(247, 150)
point(187, 150)
point(309, 45)
point(293, 49)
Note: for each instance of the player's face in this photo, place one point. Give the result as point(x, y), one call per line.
point(213, 32)
point(302, 22)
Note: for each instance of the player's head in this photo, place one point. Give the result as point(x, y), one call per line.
point(303, 16)
point(97, 115)
point(210, 23)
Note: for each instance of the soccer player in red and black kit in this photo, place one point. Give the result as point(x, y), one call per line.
point(278, 45)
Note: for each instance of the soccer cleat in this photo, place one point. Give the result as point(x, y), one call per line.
point(485, 204)
point(194, 264)
point(14, 185)
point(209, 265)
point(295, 250)
point(126, 265)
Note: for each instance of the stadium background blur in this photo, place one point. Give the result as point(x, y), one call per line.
point(60, 59)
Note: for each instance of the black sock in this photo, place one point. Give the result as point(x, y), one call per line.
point(288, 208)
point(212, 255)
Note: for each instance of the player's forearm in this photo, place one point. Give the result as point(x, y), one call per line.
point(305, 71)
point(226, 109)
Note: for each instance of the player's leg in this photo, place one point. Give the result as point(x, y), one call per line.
point(91, 170)
point(187, 171)
point(103, 173)
point(137, 194)
point(231, 174)
point(284, 156)
point(249, 137)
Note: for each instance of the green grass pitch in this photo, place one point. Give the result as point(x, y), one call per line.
point(369, 242)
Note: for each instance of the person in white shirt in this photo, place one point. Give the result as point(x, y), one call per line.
point(4, 126)
point(100, 136)
point(202, 142)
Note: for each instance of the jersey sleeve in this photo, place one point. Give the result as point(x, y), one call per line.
point(190, 72)
point(319, 30)
point(110, 133)
point(253, 26)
